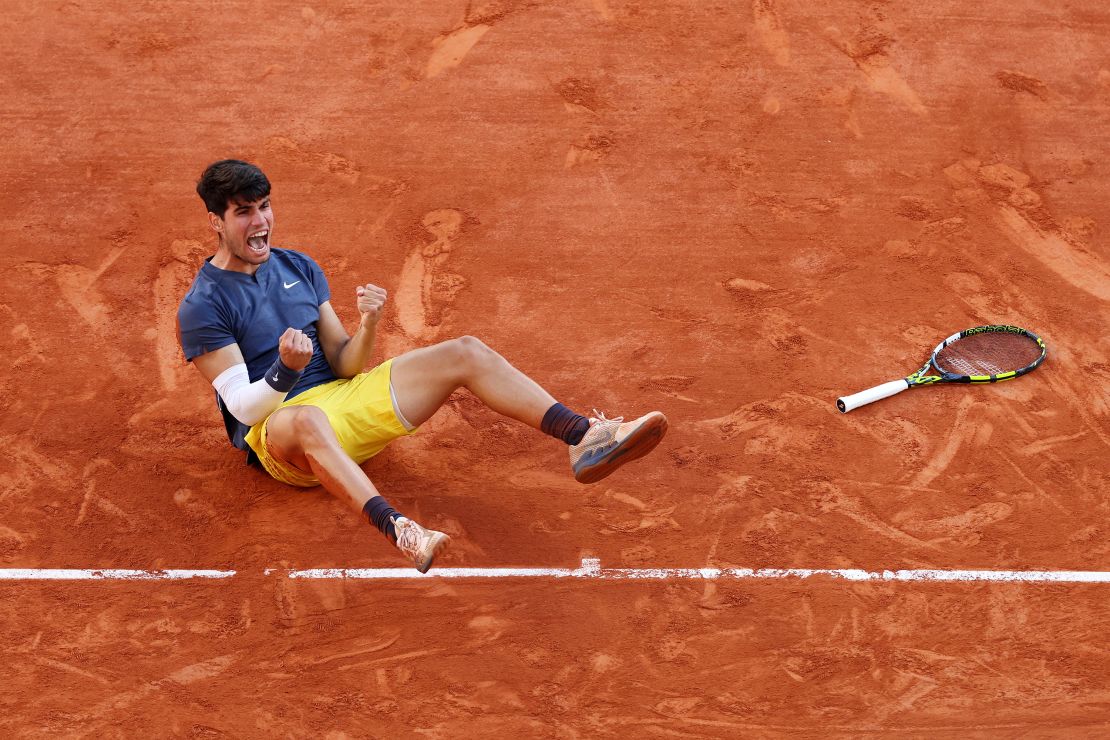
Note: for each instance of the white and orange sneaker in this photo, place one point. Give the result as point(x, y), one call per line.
point(422, 545)
point(610, 443)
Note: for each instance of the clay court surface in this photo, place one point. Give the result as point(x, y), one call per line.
point(730, 212)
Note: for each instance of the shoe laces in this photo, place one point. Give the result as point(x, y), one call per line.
point(408, 535)
point(600, 416)
point(601, 434)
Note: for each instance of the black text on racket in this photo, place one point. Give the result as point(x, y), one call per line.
point(984, 354)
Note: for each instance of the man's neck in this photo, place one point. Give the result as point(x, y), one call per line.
point(225, 260)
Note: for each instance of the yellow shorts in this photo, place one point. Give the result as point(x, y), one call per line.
point(361, 411)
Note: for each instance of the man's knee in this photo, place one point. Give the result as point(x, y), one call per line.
point(312, 428)
point(467, 353)
point(471, 351)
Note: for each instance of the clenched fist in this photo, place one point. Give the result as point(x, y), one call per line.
point(295, 349)
point(371, 299)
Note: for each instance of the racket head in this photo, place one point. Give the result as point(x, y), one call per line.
point(987, 354)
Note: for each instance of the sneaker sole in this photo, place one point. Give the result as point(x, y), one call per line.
point(439, 542)
point(639, 442)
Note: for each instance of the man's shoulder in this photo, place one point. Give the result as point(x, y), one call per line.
point(293, 256)
point(201, 297)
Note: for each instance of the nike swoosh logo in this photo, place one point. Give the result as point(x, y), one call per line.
point(289, 285)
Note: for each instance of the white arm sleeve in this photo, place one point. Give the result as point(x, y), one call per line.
point(248, 402)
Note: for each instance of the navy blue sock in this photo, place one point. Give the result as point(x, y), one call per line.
point(381, 515)
point(562, 423)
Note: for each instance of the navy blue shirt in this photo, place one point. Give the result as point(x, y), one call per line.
point(225, 307)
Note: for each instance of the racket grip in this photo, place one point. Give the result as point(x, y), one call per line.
point(879, 392)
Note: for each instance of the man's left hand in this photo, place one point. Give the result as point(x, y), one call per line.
point(371, 299)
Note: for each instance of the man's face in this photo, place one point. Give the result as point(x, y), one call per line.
point(245, 230)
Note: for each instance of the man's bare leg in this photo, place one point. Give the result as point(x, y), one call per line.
point(422, 381)
point(425, 378)
point(303, 437)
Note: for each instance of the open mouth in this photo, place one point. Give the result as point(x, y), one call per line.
point(259, 241)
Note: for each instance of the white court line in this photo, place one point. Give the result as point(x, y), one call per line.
point(590, 569)
point(107, 574)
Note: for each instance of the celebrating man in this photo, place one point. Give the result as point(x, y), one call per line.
point(258, 324)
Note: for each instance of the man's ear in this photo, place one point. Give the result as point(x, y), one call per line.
point(215, 221)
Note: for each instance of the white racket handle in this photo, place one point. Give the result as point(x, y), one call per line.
point(879, 392)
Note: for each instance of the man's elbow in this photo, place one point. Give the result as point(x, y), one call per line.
point(344, 375)
point(341, 371)
point(250, 418)
point(338, 368)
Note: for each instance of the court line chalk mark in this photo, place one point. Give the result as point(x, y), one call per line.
point(590, 569)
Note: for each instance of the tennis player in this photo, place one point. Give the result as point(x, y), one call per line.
point(291, 384)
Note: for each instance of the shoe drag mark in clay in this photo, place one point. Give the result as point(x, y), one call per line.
point(78, 287)
point(174, 278)
point(963, 432)
point(770, 31)
point(326, 163)
point(579, 96)
point(869, 52)
point(450, 49)
point(426, 289)
point(1026, 222)
point(590, 148)
point(1020, 83)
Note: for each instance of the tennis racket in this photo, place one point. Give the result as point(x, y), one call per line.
point(985, 354)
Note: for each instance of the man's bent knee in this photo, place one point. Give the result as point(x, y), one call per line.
point(471, 351)
point(312, 428)
point(293, 431)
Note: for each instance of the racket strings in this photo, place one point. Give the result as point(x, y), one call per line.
point(989, 353)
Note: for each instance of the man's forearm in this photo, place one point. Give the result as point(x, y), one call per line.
point(356, 352)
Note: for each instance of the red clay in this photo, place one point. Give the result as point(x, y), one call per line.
point(730, 213)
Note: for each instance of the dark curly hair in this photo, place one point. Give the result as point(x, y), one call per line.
point(231, 179)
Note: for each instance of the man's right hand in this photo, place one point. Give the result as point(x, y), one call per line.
point(295, 349)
